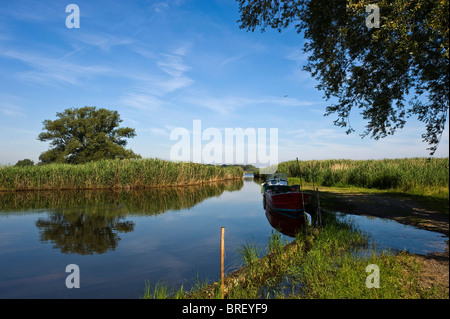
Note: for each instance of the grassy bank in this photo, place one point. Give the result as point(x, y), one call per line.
point(106, 174)
point(422, 176)
point(319, 264)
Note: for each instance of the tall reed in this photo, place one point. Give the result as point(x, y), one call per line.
point(409, 174)
point(140, 173)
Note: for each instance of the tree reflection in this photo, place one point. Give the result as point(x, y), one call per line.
point(81, 232)
point(88, 222)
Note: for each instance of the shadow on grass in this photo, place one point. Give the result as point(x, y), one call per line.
point(427, 212)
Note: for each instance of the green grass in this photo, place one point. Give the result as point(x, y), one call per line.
point(327, 276)
point(325, 264)
point(250, 252)
point(161, 290)
point(106, 174)
point(275, 243)
point(320, 264)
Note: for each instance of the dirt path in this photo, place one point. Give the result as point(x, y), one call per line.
point(402, 209)
point(405, 210)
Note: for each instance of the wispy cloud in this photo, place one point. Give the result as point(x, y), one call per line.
point(160, 7)
point(232, 59)
point(10, 109)
point(286, 101)
point(104, 41)
point(317, 136)
point(228, 104)
point(159, 131)
point(222, 106)
point(34, 11)
point(173, 63)
point(153, 91)
point(52, 70)
point(299, 60)
point(297, 55)
point(141, 101)
point(10, 105)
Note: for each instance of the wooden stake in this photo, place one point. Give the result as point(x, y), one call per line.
point(222, 251)
point(319, 212)
point(303, 199)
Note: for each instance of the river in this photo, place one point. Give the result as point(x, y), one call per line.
point(120, 240)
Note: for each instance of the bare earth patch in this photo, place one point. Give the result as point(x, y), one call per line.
point(435, 272)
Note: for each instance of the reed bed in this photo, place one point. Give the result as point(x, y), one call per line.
point(415, 175)
point(113, 174)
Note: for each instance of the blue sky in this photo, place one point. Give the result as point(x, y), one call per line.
point(162, 65)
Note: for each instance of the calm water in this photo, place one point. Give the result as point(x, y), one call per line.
point(120, 240)
point(388, 234)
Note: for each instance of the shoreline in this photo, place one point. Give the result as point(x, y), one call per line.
point(119, 187)
point(435, 265)
point(402, 207)
point(113, 174)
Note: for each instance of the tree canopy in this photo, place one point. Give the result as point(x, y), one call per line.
point(390, 73)
point(85, 134)
point(24, 162)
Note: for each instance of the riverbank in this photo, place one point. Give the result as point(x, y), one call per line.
point(322, 263)
point(430, 274)
point(424, 212)
point(113, 174)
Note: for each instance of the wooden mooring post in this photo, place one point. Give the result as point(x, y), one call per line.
point(319, 211)
point(222, 252)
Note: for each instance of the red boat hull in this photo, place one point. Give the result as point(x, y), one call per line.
point(290, 201)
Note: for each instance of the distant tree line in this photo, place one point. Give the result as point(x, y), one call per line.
point(24, 162)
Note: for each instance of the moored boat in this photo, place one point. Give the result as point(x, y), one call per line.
point(285, 205)
point(275, 179)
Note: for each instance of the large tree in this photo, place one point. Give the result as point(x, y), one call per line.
point(24, 162)
point(390, 73)
point(85, 134)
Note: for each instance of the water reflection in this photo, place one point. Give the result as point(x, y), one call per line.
point(387, 234)
point(84, 231)
point(141, 202)
point(88, 222)
point(288, 226)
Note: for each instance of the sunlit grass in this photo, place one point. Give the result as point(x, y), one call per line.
point(113, 174)
point(249, 252)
